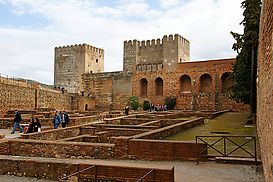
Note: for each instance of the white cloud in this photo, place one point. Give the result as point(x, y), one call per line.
point(168, 3)
point(205, 23)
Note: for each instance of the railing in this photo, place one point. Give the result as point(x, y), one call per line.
point(152, 171)
point(229, 146)
point(66, 178)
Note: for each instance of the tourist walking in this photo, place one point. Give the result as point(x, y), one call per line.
point(65, 119)
point(56, 120)
point(16, 122)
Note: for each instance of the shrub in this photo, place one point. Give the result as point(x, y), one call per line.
point(133, 102)
point(146, 105)
point(170, 101)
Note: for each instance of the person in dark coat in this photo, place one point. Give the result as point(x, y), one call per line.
point(65, 119)
point(17, 119)
point(126, 110)
point(34, 125)
point(57, 119)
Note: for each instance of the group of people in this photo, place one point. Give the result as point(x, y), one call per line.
point(34, 124)
point(160, 107)
point(60, 118)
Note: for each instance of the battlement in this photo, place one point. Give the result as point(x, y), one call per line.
point(168, 51)
point(156, 42)
point(80, 47)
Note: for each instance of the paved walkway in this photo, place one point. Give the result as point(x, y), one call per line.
point(7, 134)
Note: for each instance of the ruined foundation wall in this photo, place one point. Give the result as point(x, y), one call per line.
point(265, 88)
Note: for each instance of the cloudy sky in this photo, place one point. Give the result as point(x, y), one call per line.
point(30, 29)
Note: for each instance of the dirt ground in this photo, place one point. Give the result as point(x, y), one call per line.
point(184, 171)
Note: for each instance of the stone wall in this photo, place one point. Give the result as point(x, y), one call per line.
point(265, 89)
point(53, 149)
point(202, 85)
point(165, 150)
point(27, 95)
point(203, 92)
point(59, 134)
point(110, 90)
point(54, 170)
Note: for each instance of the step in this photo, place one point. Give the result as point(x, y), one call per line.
point(237, 160)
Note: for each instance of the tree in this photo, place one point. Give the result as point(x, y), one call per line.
point(133, 102)
point(247, 47)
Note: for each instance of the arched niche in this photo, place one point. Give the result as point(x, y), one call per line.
point(185, 84)
point(158, 86)
point(205, 83)
point(143, 87)
point(227, 83)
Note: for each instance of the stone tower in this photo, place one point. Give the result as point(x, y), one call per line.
point(154, 54)
point(73, 61)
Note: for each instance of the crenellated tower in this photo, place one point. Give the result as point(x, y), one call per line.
point(73, 61)
point(130, 54)
point(151, 55)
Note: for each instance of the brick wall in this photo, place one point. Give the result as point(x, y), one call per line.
point(53, 170)
point(53, 149)
point(112, 89)
point(265, 89)
point(164, 150)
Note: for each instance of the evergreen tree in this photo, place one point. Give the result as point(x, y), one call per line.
point(244, 45)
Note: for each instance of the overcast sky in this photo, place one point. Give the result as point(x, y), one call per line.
point(30, 29)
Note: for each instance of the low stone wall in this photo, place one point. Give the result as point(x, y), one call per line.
point(7, 123)
point(115, 132)
point(82, 138)
point(62, 133)
point(141, 149)
point(88, 130)
point(156, 124)
point(73, 121)
point(134, 121)
point(4, 147)
point(54, 134)
point(102, 127)
point(53, 170)
point(58, 149)
point(169, 130)
point(121, 146)
point(205, 114)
